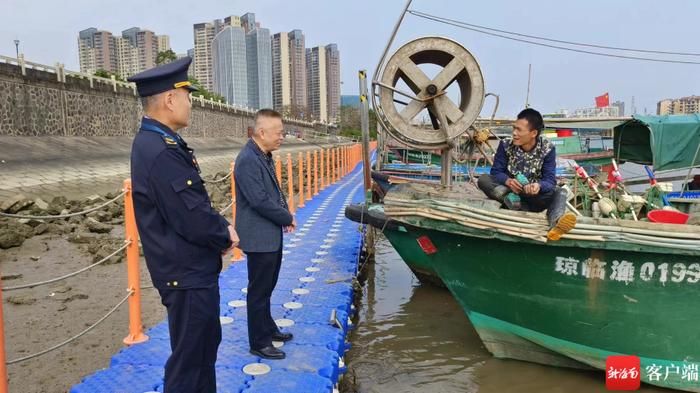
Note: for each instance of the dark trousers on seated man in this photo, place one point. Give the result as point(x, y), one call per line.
point(554, 201)
point(263, 272)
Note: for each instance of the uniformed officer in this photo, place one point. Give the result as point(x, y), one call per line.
point(183, 237)
point(261, 216)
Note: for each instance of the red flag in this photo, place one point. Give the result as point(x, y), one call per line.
point(602, 101)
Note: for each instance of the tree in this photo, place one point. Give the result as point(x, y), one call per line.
point(106, 74)
point(296, 111)
point(350, 123)
point(165, 57)
point(204, 92)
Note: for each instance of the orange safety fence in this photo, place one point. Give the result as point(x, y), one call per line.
point(329, 166)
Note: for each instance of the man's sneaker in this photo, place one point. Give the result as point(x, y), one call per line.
point(565, 223)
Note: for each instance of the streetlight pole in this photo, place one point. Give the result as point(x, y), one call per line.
point(17, 47)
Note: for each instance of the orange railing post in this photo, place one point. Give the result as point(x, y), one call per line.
point(237, 254)
point(332, 165)
point(3, 367)
point(315, 172)
point(278, 170)
point(308, 175)
point(336, 170)
point(328, 167)
point(301, 180)
point(132, 262)
point(324, 160)
point(290, 184)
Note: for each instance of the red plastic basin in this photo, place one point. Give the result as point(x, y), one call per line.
point(667, 217)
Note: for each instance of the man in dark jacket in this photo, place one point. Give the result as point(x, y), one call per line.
point(262, 215)
point(183, 237)
point(523, 175)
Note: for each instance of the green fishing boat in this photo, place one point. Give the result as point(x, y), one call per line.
point(608, 287)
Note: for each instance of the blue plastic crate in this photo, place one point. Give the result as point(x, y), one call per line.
point(280, 381)
point(320, 315)
point(308, 359)
point(121, 379)
point(154, 352)
point(318, 334)
point(234, 355)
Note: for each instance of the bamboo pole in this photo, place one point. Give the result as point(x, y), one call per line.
point(136, 335)
point(290, 184)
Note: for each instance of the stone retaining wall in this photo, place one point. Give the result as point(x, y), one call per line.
point(37, 104)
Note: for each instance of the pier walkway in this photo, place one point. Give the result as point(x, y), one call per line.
point(312, 300)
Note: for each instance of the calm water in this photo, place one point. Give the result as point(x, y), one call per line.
point(415, 338)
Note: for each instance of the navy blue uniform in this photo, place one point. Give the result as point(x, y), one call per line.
point(182, 238)
point(261, 213)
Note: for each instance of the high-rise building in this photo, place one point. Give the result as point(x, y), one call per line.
point(664, 107)
point(248, 22)
point(163, 43)
point(146, 44)
point(259, 56)
point(620, 107)
point(97, 51)
point(135, 51)
point(204, 34)
point(316, 78)
point(297, 63)
point(679, 106)
point(229, 59)
point(233, 20)
point(127, 57)
point(289, 73)
point(333, 82)
point(281, 72)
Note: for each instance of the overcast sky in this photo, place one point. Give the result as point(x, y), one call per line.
point(48, 33)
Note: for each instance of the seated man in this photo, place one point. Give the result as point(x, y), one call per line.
point(523, 175)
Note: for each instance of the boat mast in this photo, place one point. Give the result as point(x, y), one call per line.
point(529, 74)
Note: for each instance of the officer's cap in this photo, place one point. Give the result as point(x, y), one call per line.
point(163, 78)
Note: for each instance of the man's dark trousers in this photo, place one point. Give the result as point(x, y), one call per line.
point(554, 201)
point(195, 334)
point(263, 272)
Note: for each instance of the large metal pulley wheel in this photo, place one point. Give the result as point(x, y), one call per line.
point(448, 119)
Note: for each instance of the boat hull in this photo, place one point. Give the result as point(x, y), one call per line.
point(401, 238)
point(572, 306)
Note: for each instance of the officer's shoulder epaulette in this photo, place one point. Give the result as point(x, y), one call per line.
point(169, 141)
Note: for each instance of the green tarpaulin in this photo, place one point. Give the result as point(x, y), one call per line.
point(666, 142)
